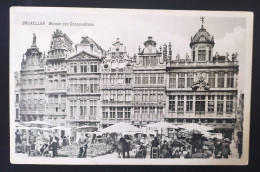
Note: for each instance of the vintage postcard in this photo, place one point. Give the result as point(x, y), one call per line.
point(125, 86)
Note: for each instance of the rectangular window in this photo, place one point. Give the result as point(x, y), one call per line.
point(221, 76)
point(172, 80)
point(211, 103)
point(181, 80)
point(229, 103)
point(145, 78)
point(93, 68)
point(83, 107)
point(120, 96)
point(138, 78)
point(145, 97)
point(146, 61)
point(137, 110)
point(172, 103)
point(119, 112)
point(153, 78)
point(128, 95)
point(83, 67)
point(17, 114)
point(120, 79)
point(154, 61)
point(212, 79)
point(138, 97)
point(35, 82)
point(220, 103)
point(153, 97)
point(201, 55)
point(128, 78)
point(127, 112)
point(93, 86)
point(75, 68)
point(144, 110)
point(104, 112)
point(112, 112)
point(200, 104)
point(189, 103)
point(17, 98)
point(190, 78)
point(230, 79)
point(180, 107)
point(93, 107)
point(160, 112)
point(73, 107)
point(160, 78)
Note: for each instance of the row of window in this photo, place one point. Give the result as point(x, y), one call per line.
point(116, 112)
point(31, 82)
point(57, 84)
point(81, 108)
point(176, 103)
point(83, 68)
point(84, 86)
point(117, 78)
point(177, 80)
point(117, 95)
point(149, 61)
point(148, 97)
point(151, 78)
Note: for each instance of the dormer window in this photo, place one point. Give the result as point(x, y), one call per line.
point(202, 55)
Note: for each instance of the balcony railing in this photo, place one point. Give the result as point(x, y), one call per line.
point(83, 118)
point(190, 64)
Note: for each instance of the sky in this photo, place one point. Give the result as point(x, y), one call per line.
point(132, 27)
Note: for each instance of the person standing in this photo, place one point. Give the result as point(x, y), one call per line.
point(218, 149)
point(155, 144)
point(54, 147)
point(225, 148)
point(24, 143)
point(82, 142)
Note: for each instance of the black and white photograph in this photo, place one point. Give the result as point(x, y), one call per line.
point(92, 86)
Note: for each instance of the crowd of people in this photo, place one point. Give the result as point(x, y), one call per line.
point(124, 145)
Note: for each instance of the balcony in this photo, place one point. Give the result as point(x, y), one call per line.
point(29, 112)
point(122, 103)
point(188, 64)
point(83, 118)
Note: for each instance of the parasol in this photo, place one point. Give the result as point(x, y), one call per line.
point(195, 126)
point(121, 127)
point(85, 128)
point(38, 124)
point(161, 125)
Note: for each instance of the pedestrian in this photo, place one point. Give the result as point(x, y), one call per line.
point(225, 148)
point(155, 147)
point(239, 147)
point(120, 147)
point(165, 150)
point(54, 147)
point(218, 149)
point(24, 143)
point(83, 143)
point(31, 140)
point(127, 145)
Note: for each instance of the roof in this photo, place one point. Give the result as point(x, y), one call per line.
point(202, 36)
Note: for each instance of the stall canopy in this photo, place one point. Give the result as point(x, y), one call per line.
point(195, 126)
point(121, 127)
point(38, 124)
point(85, 128)
point(161, 125)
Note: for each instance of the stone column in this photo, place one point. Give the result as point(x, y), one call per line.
point(216, 79)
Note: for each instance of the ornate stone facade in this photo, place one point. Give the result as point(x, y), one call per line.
point(97, 87)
